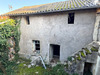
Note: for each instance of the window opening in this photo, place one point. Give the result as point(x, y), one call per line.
point(27, 20)
point(71, 18)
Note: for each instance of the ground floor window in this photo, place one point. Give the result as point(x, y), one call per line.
point(36, 45)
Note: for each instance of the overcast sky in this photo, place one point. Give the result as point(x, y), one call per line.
point(4, 4)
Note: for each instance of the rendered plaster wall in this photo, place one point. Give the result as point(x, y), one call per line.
point(53, 28)
point(97, 32)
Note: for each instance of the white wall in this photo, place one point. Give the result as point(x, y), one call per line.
point(54, 29)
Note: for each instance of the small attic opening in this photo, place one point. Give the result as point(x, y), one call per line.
point(55, 52)
point(27, 20)
point(71, 18)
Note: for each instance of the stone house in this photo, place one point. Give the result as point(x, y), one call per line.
point(59, 30)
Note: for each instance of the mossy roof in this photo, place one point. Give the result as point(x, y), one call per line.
point(54, 7)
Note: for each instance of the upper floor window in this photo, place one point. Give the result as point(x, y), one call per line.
point(71, 18)
point(27, 20)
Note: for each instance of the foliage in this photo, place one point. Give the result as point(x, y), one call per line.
point(10, 22)
point(78, 57)
point(2, 20)
point(56, 70)
point(7, 30)
point(75, 74)
point(87, 51)
point(94, 48)
point(24, 60)
point(66, 66)
point(69, 58)
point(82, 54)
point(23, 69)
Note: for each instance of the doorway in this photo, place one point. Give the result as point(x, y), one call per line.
point(54, 52)
point(88, 69)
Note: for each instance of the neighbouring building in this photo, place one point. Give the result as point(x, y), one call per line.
point(59, 30)
point(4, 17)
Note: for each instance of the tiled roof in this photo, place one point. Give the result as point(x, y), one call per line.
point(55, 7)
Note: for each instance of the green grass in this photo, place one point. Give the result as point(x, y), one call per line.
point(24, 70)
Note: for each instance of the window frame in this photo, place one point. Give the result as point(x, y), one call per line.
point(36, 44)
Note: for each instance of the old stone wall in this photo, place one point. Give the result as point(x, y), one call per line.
point(53, 28)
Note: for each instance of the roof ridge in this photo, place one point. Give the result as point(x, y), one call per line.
point(46, 3)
